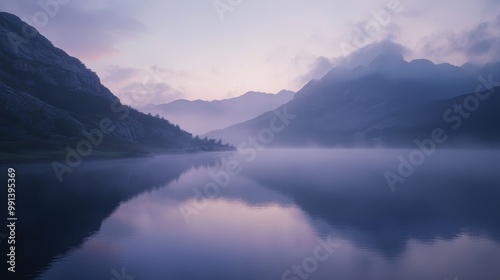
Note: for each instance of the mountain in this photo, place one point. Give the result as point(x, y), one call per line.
point(51, 104)
point(390, 102)
point(200, 117)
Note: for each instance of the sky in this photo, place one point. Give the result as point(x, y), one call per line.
point(152, 52)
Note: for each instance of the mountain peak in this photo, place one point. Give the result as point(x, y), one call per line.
point(388, 61)
point(285, 92)
point(422, 62)
point(255, 93)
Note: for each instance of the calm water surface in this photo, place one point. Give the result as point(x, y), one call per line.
point(288, 214)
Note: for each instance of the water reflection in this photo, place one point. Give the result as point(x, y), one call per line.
point(452, 193)
point(443, 222)
point(55, 216)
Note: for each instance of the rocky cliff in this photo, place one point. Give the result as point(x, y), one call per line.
point(50, 101)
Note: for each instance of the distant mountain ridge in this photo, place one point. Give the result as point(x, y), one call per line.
point(390, 102)
point(48, 100)
point(200, 117)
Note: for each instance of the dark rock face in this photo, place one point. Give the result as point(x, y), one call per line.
point(48, 100)
point(29, 57)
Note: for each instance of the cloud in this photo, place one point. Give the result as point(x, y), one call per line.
point(89, 30)
point(317, 69)
point(140, 94)
point(117, 74)
point(478, 45)
point(365, 55)
point(322, 65)
point(366, 40)
point(152, 85)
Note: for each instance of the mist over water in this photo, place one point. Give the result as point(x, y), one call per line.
point(268, 221)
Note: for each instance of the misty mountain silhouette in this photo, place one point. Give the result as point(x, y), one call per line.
point(50, 100)
point(200, 117)
point(390, 102)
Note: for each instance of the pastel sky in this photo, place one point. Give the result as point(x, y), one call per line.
point(154, 51)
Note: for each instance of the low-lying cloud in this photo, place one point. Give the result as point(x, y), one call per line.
point(322, 65)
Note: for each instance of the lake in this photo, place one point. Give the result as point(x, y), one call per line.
point(276, 214)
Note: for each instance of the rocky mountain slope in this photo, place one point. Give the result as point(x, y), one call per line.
point(49, 102)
